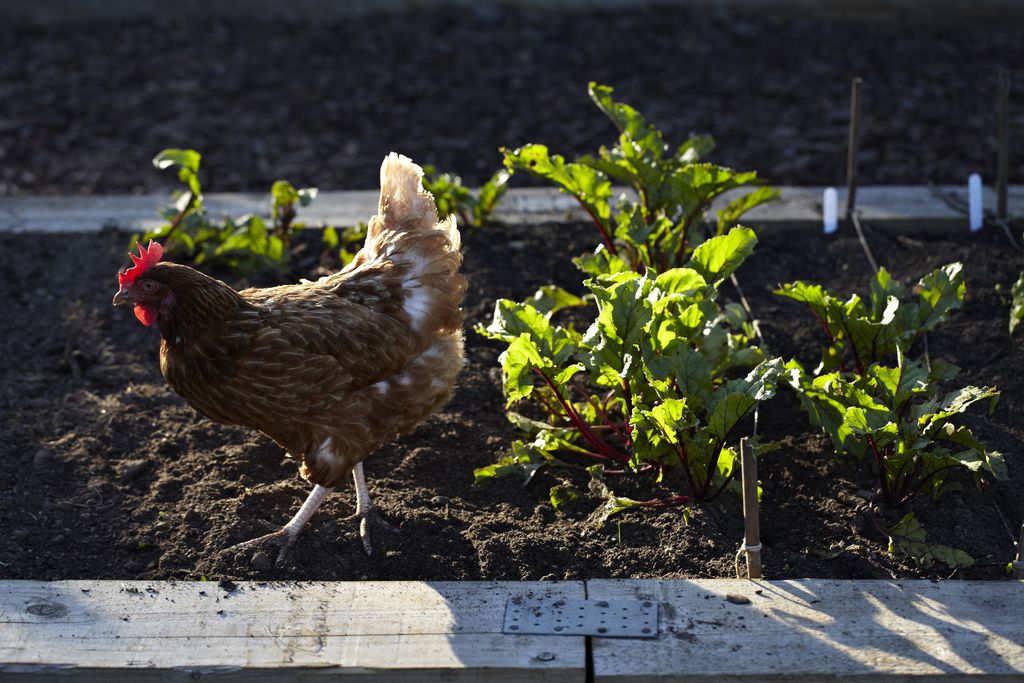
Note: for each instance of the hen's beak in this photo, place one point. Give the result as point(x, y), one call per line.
point(121, 298)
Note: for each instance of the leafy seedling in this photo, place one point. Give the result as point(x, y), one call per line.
point(661, 380)
point(908, 539)
point(242, 245)
point(893, 412)
point(451, 196)
point(1017, 304)
point(660, 226)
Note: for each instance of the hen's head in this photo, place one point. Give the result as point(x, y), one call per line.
point(142, 286)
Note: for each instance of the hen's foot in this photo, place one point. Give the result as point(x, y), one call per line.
point(371, 522)
point(281, 538)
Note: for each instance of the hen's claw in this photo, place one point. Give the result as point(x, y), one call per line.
point(372, 519)
point(282, 539)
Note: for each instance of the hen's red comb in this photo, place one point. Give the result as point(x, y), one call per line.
point(148, 256)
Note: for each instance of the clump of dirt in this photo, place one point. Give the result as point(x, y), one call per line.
point(108, 474)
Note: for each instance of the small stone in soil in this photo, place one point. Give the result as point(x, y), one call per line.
point(42, 459)
point(737, 599)
point(262, 561)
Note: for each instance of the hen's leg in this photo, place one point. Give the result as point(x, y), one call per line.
point(365, 509)
point(284, 537)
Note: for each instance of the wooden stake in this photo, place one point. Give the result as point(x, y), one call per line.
point(1018, 564)
point(853, 143)
point(751, 518)
point(1003, 149)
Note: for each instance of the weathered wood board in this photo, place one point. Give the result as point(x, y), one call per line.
point(813, 630)
point(408, 631)
point(898, 207)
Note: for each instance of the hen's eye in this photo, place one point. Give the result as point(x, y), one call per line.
point(148, 285)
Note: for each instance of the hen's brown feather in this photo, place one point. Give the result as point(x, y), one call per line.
point(332, 369)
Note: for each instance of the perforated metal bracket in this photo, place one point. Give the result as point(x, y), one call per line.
point(559, 616)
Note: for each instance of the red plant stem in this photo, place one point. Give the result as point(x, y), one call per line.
point(584, 429)
point(609, 423)
point(721, 488)
point(828, 333)
point(671, 501)
point(643, 470)
point(853, 349)
point(902, 483)
point(712, 465)
point(604, 233)
point(686, 468)
point(547, 404)
point(920, 484)
point(627, 396)
point(180, 215)
point(686, 228)
point(881, 472)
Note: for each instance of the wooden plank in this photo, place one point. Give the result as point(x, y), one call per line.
point(900, 207)
point(102, 630)
point(813, 629)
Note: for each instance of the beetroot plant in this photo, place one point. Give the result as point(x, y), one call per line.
point(876, 402)
point(660, 382)
point(659, 226)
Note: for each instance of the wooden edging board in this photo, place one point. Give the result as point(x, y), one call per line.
point(710, 630)
point(898, 207)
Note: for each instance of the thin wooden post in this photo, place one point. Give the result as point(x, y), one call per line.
point(1003, 148)
point(1018, 564)
point(751, 515)
point(853, 143)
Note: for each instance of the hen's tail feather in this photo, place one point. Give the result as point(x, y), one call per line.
point(407, 232)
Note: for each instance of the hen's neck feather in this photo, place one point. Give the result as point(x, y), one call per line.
point(200, 301)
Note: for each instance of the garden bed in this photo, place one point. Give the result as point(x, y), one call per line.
point(111, 475)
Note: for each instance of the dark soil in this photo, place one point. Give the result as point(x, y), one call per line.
point(84, 109)
point(108, 474)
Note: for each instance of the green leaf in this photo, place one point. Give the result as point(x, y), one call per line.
point(908, 538)
point(512, 319)
point(561, 495)
point(883, 288)
point(942, 292)
point(728, 216)
point(591, 187)
point(283, 192)
point(625, 117)
point(1017, 306)
point(958, 401)
point(550, 299)
point(695, 149)
point(518, 362)
point(623, 310)
point(717, 258)
point(185, 158)
point(522, 459)
point(687, 367)
point(731, 402)
point(330, 238)
point(600, 262)
point(680, 281)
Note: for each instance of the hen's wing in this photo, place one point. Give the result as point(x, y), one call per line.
point(332, 369)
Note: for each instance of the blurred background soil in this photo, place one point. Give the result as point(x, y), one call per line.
point(84, 106)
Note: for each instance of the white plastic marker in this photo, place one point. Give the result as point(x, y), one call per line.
point(830, 210)
point(974, 201)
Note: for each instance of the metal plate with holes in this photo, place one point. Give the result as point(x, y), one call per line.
point(559, 616)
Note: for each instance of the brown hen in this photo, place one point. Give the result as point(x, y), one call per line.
point(332, 369)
